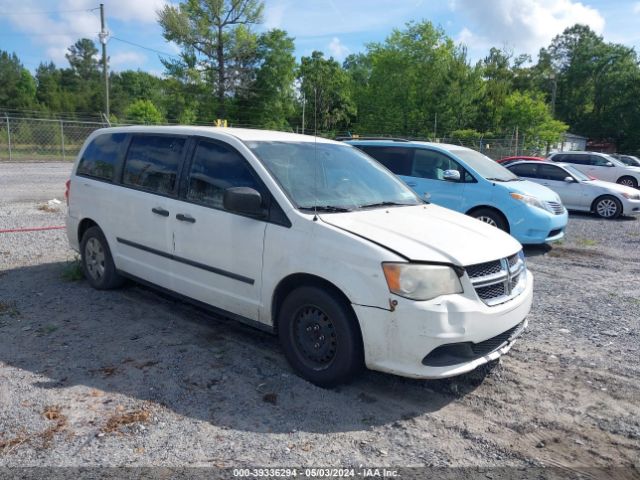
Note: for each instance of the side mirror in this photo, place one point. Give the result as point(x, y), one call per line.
point(451, 175)
point(608, 164)
point(568, 179)
point(244, 200)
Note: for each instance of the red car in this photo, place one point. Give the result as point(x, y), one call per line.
point(509, 160)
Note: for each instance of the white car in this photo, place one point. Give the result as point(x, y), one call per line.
point(580, 192)
point(301, 236)
point(600, 166)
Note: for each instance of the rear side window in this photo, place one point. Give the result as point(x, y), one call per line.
point(101, 156)
point(527, 170)
point(551, 172)
point(397, 159)
point(215, 168)
point(152, 163)
point(576, 159)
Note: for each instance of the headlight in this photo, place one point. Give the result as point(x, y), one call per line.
point(533, 201)
point(631, 196)
point(421, 282)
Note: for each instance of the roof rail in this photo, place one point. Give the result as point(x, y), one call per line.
point(388, 139)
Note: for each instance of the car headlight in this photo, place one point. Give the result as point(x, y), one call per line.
point(421, 282)
point(631, 196)
point(533, 201)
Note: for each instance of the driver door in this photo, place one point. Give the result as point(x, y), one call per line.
point(427, 179)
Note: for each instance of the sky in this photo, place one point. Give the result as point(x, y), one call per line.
point(40, 30)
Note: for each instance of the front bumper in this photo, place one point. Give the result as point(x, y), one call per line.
point(630, 207)
point(538, 226)
point(397, 342)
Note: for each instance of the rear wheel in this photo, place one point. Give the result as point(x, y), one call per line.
point(97, 262)
point(490, 217)
point(628, 182)
point(320, 336)
point(607, 207)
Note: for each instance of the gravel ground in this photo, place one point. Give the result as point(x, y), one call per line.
point(134, 378)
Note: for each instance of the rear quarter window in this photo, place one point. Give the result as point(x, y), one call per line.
point(101, 156)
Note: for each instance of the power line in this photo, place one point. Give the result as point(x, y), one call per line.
point(143, 47)
point(50, 12)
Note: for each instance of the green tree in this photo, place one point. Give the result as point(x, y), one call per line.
point(529, 113)
point(82, 57)
point(216, 42)
point(420, 83)
point(17, 86)
point(326, 88)
point(145, 112)
point(270, 101)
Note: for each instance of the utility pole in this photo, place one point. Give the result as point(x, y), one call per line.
point(304, 101)
point(105, 71)
point(435, 127)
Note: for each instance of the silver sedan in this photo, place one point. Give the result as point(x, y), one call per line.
point(579, 191)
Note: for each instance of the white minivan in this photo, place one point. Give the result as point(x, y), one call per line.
point(302, 236)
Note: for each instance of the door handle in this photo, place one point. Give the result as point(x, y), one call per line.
point(185, 218)
point(160, 211)
point(411, 184)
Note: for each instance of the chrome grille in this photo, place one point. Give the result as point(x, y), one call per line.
point(555, 207)
point(498, 281)
point(483, 269)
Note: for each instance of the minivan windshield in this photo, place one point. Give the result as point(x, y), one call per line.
point(331, 177)
point(485, 167)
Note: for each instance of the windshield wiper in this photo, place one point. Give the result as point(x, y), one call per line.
point(326, 208)
point(387, 204)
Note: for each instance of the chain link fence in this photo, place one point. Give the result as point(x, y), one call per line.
point(39, 139)
point(24, 138)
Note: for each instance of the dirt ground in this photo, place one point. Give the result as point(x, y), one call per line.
point(134, 378)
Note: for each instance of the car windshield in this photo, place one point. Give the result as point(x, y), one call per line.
point(630, 160)
point(615, 161)
point(331, 177)
point(486, 167)
point(577, 174)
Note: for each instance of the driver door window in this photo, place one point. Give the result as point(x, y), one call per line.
point(431, 165)
point(215, 168)
point(550, 172)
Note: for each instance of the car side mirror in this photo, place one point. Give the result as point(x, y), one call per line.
point(244, 200)
point(608, 164)
point(568, 179)
point(451, 175)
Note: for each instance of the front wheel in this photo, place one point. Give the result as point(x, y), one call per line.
point(320, 336)
point(490, 217)
point(97, 262)
point(628, 182)
point(608, 207)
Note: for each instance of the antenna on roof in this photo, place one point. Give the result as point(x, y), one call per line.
point(315, 152)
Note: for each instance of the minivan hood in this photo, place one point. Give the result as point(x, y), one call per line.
point(533, 189)
point(428, 233)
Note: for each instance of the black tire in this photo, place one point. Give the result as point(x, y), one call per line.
point(628, 181)
point(490, 217)
point(97, 262)
point(608, 207)
point(320, 336)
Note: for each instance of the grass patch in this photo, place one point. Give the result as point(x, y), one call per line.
point(9, 308)
point(72, 271)
point(47, 329)
point(587, 242)
point(48, 208)
point(118, 420)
